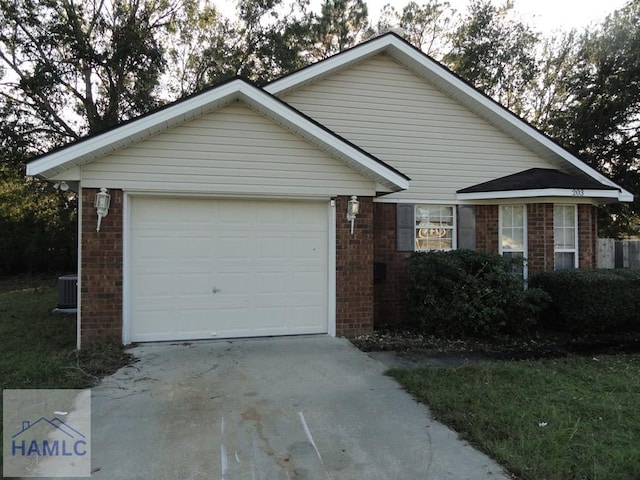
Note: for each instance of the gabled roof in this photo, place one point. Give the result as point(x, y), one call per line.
point(138, 129)
point(450, 83)
point(538, 182)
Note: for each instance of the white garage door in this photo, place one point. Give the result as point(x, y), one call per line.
point(227, 268)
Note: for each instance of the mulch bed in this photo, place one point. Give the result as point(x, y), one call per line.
point(535, 346)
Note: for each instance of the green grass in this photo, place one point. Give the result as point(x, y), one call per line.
point(570, 418)
point(39, 347)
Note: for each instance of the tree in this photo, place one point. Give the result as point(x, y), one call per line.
point(265, 40)
point(425, 26)
point(599, 116)
point(495, 52)
point(68, 69)
point(76, 68)
point(340, 25)
point(548, 91)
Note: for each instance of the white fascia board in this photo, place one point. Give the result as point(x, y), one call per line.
point(444, 79)
point(543, 192)
point(132, 132)
point(307, 129)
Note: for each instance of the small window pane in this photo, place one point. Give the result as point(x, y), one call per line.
point(518, 216)
point(518, 264)
point(513, 228)
point(564, 230)
point(513, 239)
point(565, 260)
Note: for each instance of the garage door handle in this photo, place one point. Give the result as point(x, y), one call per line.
point(215, 290)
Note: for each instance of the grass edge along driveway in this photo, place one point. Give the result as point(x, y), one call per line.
point(568, 418)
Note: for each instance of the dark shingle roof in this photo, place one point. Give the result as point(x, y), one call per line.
point(536, 179)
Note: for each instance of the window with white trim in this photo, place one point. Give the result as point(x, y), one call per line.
point(435, 227)
point(565, 236)
point(513, 235)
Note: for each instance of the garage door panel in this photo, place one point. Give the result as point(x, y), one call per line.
point(227, 268)
point(232, 247)
point(307, 283)
point(270, 283)
point(304, 316)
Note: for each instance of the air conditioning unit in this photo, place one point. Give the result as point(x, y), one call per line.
point(68, 292)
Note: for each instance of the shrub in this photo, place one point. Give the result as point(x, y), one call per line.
point(463, 292)
point(588, 301)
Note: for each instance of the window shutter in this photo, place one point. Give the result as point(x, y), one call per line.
point(466, 227)
point(406, 227)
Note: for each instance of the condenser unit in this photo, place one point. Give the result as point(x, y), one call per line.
point(68, 292)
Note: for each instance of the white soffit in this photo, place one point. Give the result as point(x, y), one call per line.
point(447, 81)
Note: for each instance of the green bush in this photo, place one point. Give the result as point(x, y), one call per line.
point(588, 301)
point(463, 292)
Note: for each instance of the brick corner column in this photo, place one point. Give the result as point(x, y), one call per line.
point(354, 269)
point(101, 270)
point(587, 236)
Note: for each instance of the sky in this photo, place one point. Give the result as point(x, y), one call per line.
point(546, 15)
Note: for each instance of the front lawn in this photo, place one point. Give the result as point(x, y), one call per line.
point(39, 347)
point(568, 418)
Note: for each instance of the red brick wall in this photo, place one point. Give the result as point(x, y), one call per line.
point(354, 269)
point(587, 236)
point(540, 237)
point(390, 301)
point(390, 294)
point(101, 270)
point(487, 228)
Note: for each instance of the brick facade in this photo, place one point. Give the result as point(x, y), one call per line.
point(360, 301)
point(101, 270)
point(354, 269)
point(540, 256)
point(587, 236)
point(390, 303)
point(390, 293)
point(487, 228)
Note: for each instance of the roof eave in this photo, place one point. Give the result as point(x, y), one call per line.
point(135, 131)
point(576, 194)
point(449, 82)
point(112, 140)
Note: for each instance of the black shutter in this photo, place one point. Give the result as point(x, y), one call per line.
point(466, 227)
point(406, 227)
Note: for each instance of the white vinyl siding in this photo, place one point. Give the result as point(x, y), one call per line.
point(234, 150)
point(393, 114)
point(565, 236)
point(513, 234)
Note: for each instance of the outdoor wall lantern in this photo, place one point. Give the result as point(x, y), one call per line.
point(62, 186)
point(353, 208)
point(103, 199)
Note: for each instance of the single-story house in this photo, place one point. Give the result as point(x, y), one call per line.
point(291, 208)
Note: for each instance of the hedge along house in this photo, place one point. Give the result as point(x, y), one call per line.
point(229, 210)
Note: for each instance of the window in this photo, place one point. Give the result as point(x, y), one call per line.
point(513, 234)
point(565, 237)
point(435, 227)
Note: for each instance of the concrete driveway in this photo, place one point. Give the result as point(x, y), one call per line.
point(286, 408)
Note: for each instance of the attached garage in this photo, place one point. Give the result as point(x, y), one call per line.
point(202, 268)
point(226, 219)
